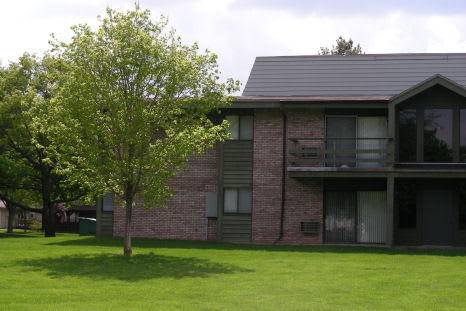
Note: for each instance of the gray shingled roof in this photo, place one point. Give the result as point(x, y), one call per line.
point(356, 75)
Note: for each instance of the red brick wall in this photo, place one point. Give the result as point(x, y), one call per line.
point(304, 200)
point(267, 176)
point(184, 216)
point(212, 229)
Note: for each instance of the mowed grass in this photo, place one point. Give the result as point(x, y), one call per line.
point(87, 273)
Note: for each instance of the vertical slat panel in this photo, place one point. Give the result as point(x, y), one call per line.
point(106, 227)
point(340, 212)
point(371, 127)
point(372, 207)
point(236, 228)
point(237, 163)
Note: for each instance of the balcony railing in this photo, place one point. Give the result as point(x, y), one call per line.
point(341, 152)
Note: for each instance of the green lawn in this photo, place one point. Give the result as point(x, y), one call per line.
point(87, 273)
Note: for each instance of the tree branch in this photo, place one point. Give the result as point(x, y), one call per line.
point(67, 200)
point(20, 151)
point(20, 205)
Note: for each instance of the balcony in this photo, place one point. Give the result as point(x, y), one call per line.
point(341, 153)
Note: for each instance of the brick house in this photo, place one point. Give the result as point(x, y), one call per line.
point(328, 149)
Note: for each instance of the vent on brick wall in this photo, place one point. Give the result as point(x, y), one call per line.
point(309, 227)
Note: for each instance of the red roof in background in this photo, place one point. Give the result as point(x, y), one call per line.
point(81, 208)
point(76, 208)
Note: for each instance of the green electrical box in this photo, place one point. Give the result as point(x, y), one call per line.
point(87, 226)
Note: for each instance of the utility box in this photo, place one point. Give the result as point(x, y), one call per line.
point(87, 226)
point(211, 204)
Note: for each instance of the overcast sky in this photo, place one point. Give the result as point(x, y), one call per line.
point(240, 30)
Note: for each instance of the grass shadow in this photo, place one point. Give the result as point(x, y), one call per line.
point(182, 244)
point(21, 234)
point(135, 268)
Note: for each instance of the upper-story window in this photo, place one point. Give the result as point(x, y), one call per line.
point(241, 127)
point(107, 203)
point(432, 135)
point(438, 139)
point(431, 127)
point(463, 135)
point(408, 135)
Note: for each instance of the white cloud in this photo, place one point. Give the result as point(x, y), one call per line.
point(239, 33)
point(446, 33)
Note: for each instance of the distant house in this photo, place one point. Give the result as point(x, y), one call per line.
point(21, 217)
point(328, 149)
point(3, 215)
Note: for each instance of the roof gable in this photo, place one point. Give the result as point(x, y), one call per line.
point(426, 84)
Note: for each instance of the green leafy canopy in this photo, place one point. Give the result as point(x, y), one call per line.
point(342, 47)
point(139, 104)
point(28, 154)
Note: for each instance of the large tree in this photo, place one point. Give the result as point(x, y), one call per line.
point(342, 47)
point(140, 104)
point(30, 168)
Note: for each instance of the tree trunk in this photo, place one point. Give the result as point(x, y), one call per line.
point(11, 217)
point(44, 220)
point(127, 242)
point(50, 221)
point(47, 205)
point(48, 216)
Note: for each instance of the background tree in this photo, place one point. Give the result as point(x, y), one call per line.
point(343, 47)
point(138, 106)
point(15, 187)
point(29, 158)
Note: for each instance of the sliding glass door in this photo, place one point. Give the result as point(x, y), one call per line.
point(340, 217)
point(341, 134)
point(355, 217)
point(359, 140)
point(371, 127)
point(372, 215)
